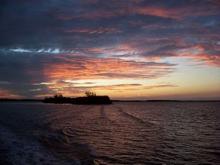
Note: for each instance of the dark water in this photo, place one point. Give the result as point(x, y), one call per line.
point(122, 133)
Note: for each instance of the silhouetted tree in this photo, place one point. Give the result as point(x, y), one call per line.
point(90, 93)
point(58, 95)
point(90, 98)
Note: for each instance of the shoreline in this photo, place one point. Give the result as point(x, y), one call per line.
point(114, 101)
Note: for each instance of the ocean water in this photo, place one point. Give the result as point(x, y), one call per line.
point(121, 133)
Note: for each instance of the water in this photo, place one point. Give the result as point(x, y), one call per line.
point(122, 133)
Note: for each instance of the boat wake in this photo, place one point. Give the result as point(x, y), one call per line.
point(132, 117)
point(21, 151)
point(63, 146)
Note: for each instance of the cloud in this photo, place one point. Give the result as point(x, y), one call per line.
point(113, 8)
point(160, 86)
point(52, 41)
point(93, 31)
point(178, 12)
point(46, 71)
point(8, 94)
point(74, 87)
point(68, 67)
point(203, 54)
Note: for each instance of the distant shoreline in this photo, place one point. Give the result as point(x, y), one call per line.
point(166, 100)
point(20, 100)
point(41, 100)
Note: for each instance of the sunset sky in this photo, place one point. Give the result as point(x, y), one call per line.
point(127, 49)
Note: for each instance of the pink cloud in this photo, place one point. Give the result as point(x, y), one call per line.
point(99, 30)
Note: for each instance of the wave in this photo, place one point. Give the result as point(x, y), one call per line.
point(134, 118)
point(21, 151)
point(60, 116)
point(67, 147)
point(105, 117)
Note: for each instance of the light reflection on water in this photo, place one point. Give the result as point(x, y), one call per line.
point(122, 133)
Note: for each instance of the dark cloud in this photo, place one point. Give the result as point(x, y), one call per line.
point(40, 40)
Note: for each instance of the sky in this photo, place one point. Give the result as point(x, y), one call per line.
point(127, 49)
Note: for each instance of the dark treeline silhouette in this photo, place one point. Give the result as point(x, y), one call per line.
point(19, 100)
point(90, 98)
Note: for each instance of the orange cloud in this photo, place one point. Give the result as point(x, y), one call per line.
point(200, 54)
point(157, 11)
point(74, 68)
point(92, 68)
point(175, 13)
point(211, 60)
point(4, 93)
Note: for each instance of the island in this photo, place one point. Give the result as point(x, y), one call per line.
point(90, 98)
